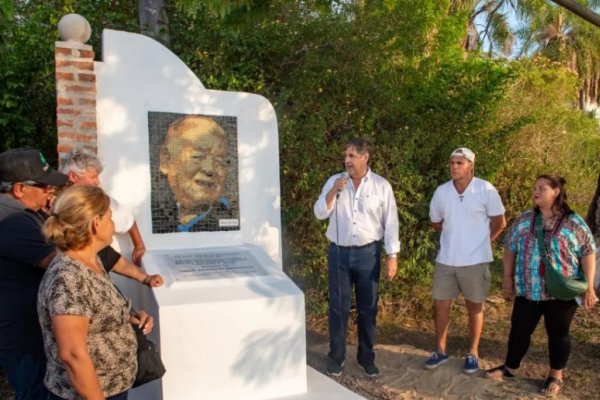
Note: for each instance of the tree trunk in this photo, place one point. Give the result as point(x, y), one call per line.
point(580, 10)
point(154, 21)
point(595, 82)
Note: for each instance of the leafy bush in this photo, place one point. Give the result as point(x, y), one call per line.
point(391, 72)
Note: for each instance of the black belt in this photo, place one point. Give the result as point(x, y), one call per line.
point(356, 247)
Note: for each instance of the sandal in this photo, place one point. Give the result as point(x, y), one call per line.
point(490, 373)
point(551, 381)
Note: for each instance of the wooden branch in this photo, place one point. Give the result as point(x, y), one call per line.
point(579, 10)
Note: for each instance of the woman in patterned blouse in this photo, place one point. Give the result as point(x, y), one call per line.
point(571, 249)
point(86, 324)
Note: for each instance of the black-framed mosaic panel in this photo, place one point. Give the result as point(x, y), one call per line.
point(194, 172)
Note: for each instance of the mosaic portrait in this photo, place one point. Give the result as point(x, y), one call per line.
point(194, 173)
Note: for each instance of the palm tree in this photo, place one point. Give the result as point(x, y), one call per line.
point(545, 29)
point(496, 30)
point(563, 37)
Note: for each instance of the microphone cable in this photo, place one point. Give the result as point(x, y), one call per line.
point(337, 239)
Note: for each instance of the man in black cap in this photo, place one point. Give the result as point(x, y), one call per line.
point(26, 185)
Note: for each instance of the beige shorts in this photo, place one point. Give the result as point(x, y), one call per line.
point(473, 281)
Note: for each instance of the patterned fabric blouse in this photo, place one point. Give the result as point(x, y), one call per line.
point(70, 288)
point(566, 243)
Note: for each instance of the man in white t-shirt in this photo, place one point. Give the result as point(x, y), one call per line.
point(469, 214)
point(84, 168)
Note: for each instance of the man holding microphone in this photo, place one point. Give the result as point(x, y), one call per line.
point(362, 212)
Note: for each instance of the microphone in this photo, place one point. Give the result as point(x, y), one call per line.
point(344, 176)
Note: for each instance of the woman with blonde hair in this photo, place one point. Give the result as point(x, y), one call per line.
point(86, 323)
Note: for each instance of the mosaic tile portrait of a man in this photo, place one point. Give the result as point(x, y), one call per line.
point(193, 161)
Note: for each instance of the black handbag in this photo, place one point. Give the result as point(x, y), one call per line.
point(559, 286)
point(150, 365)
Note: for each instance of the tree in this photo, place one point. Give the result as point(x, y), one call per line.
point(546, 30)
point(565, 38)
point(154, 21)
point(496, 29)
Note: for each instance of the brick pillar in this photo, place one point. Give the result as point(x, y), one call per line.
point(75, 97)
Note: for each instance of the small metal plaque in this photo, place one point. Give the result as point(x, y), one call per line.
point(212, 265)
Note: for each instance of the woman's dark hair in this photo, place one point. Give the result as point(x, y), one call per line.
point(590, 218)
point(557, 182)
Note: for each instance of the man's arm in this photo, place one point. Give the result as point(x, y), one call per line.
point(46, 260)
point(391, 233)
point(125, 268)
point(497, 225)
point(22, 240)
point(391, 267)
point(324, 204)
point(138, 244)
point(436, 212)
point(437, 226)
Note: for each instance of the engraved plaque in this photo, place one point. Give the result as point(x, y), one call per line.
point(212, 265)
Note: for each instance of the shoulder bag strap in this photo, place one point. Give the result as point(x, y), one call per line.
point(539, 233)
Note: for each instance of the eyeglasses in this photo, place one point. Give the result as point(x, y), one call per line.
point(43, 186)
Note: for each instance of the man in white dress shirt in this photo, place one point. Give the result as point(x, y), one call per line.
point(469, 214)
point(362, 212)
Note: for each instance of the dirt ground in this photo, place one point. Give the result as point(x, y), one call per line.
point(405, 343)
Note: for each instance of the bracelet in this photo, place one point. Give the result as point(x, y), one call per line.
point(147, 280)
point(393, 255)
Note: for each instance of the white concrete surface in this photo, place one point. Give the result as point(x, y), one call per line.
point(321, 387)
point(231, 338)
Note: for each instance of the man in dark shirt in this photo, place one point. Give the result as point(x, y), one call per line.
point(27, 184)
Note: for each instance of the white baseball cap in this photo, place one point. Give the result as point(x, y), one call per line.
point(463, 152)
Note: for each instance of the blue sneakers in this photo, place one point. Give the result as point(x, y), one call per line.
point(436, 360)
point(471, 364)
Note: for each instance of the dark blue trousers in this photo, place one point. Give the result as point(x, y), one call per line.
point(357, 267)
point(26, 376)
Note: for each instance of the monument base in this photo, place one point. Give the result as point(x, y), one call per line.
point(320, 387)
point(229, 325)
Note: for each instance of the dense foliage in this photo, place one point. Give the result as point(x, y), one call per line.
point(394, 72)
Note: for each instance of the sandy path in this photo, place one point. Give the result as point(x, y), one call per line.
point(403, 377)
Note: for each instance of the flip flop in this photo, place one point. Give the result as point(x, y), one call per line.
point(549, 381)
point(505, 372)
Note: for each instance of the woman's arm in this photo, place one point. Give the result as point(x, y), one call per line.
point(588, 262)
point(508, 279)
point(70, 333)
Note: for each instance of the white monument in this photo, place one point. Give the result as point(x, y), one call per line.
point(230, 323)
